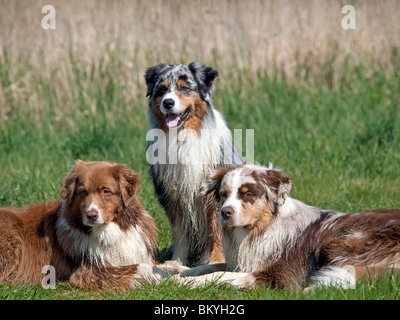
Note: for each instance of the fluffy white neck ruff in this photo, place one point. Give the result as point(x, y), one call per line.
point(106, 243)
point(190, 158)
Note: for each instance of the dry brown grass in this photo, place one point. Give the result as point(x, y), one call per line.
point(298, 38)
point(259, 34)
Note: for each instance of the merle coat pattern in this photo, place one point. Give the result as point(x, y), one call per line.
point(196, 141)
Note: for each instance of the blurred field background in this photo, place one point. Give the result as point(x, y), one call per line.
point(324, 102)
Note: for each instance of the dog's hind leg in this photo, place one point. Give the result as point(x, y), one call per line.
point(10, 246)
point(10, 254)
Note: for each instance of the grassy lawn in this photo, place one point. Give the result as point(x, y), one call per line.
point(339, 145)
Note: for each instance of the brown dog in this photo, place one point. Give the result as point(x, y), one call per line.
point(99, 236)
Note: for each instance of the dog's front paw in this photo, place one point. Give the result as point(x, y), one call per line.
point(173, 267)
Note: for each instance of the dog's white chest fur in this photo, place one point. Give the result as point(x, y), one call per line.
point(106, 244)
point(248, 255)
point(119, 247)
point(189, 155)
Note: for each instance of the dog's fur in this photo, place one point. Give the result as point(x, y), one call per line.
point(197, 141)
point(273, 239)
point(98, 236)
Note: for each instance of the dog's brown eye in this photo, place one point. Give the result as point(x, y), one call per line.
point(223, 195)
point(106, 192)
point(250, 195)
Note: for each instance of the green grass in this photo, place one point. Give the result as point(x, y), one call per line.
point(340, 145)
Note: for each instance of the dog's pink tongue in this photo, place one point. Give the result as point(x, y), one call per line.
point(172, 120)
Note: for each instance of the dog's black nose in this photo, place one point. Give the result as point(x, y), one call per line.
point(92, 215)
point(226, 212)
point(168, 103)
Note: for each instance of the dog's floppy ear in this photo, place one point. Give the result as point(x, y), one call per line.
point(68, 188)
point(129, 183)
point(278, 184)
point(206, 78)
point(151, 76)
point(213, 182)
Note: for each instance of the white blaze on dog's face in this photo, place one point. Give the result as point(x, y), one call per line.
point(96, 194)
point(93, 215)
point(235, 191)
point(249, 196)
